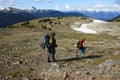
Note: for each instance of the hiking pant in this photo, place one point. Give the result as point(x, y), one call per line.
point(82, 52)
point(51, 52)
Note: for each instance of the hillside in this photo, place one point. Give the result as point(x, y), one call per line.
point(10, 15)
point(116, 19)
point(21, 57)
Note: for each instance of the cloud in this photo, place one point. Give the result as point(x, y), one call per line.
point(114, 7)
point(65, 7)
point(68, 7)
point(10, 1)
point(7, 3)
point(36, 0)
point(117, 2)
point(43, 0)
point(57, 7)
point(101, 7)
point(97, 7)
point(48, 0)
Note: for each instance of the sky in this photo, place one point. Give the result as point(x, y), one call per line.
point(68, 5)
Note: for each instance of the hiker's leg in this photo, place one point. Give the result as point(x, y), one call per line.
point(82, 55)
point(48, 55)
point(53, 54)
point(53, 57)
point(78, 52)
point(82, 52)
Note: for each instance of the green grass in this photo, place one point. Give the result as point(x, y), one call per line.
point(16, 54)
point(16, 73)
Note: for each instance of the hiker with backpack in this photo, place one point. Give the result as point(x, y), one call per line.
point(81, 47)
point(51, 45)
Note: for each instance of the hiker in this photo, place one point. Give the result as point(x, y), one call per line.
point(51, 48)
point(81, 47)
point(45, 41)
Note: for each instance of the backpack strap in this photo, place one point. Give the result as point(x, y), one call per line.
point(50, 40)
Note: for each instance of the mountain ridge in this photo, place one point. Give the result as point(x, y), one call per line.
point(116, 19)
point(10, 15)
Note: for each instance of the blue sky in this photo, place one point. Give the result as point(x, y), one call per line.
point(107, 5)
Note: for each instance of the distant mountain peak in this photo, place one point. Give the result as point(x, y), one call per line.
point(10, 9)
point(5, 8)
point(33, 8)
point(2, 8)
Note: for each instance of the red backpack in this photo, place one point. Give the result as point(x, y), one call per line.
point(80, 43)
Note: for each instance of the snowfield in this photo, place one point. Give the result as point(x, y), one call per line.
point(99, 21)
point(84, 27)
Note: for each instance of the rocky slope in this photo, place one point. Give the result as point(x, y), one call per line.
point(21, 57)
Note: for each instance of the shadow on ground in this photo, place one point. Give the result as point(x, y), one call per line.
point(77, 58)
point(92, 56)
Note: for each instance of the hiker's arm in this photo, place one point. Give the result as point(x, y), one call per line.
point(84, 44)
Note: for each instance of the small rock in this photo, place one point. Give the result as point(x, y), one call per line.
point(25, 78)
point(8, 78)
point(87, 73)
point(21, 61)
point(16, 62)
point(93, 78)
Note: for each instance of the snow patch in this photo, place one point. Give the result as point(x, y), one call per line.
point(2, 8)
point(99, 21)
point(84, 27)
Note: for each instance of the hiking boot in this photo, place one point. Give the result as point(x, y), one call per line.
point(82, 55)
point(48, 61)
point(54, 60)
